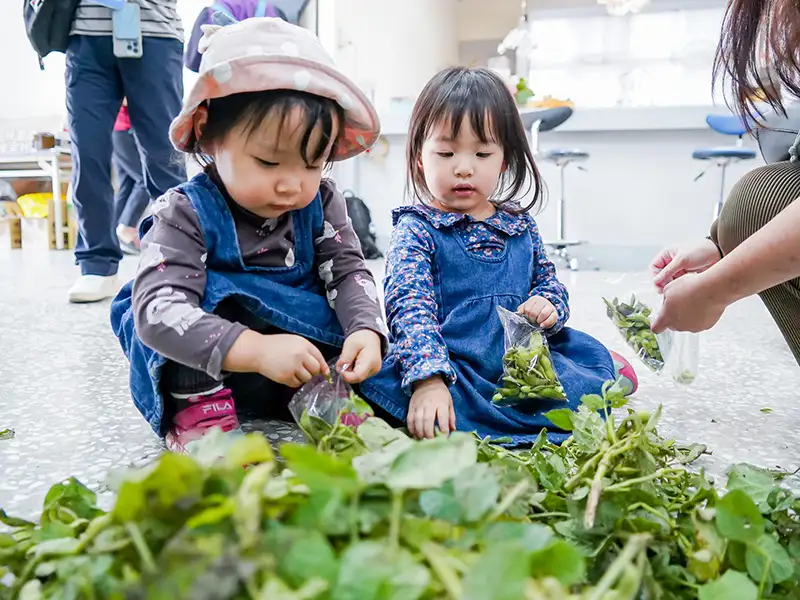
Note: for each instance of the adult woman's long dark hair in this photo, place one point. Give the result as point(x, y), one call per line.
point(758, 53)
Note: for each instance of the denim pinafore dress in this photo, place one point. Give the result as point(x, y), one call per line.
point(289, 298)
point(468, 289)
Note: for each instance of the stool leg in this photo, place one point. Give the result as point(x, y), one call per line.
point(721, 200)
point(560, 205)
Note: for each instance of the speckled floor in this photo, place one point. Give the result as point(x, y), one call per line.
point(63, 387)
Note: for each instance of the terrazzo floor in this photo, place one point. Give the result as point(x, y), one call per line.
point(63, 384)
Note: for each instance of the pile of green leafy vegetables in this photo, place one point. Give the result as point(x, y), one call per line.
point(369, 514)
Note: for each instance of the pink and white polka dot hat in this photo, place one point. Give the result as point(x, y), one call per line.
point(270, 54)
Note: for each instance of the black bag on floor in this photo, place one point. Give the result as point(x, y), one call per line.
point(362, 224)
point(48, 23)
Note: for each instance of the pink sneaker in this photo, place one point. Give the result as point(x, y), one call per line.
point(202, 413)
point(626, 376)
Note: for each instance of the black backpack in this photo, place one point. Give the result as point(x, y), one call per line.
point(362, 224)
point(48, 23)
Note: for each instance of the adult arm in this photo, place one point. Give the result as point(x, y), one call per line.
point(767, 258)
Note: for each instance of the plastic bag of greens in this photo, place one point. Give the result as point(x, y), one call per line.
point(528, 372)
point(325, 403)
point(674, 354)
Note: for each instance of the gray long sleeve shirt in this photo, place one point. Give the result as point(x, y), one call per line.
point(170, 284)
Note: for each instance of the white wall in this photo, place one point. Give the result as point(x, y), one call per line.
point(482, 20)
point(392, 48)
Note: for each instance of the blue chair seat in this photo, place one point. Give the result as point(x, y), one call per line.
point(727, 124)
point(730, 152)
point(564, 154)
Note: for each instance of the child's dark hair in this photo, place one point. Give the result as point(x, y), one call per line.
point(252, 108)
point(481, 96)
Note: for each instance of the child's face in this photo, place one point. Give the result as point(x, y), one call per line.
point(462, 173)
point(263, 170)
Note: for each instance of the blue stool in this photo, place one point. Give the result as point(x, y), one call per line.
point(724, 156)
point(545, 120)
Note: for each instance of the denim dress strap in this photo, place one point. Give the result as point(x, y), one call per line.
point(291, 298)
point(469, 288)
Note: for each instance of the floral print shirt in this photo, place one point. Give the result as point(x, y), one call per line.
point(171, 280)
point(411, 308)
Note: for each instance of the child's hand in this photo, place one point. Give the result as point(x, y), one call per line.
point(361, 355)
point(540, 311)
point(431, 402)
point(290, 360)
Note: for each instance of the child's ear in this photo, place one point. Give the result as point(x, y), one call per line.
point(199, 121)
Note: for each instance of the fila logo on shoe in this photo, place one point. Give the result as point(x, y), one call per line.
point(217, 407)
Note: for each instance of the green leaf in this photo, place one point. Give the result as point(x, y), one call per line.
point(302, 555)
point(174, 482)
point(561, 418)
point(373, 571)
point(477, 489)
point(560, 560)
point(53, 531)
point(738, 518)
point(326, 510)
point(429, 463)
point(593, 402)
point(247, 516)
point(377, 433)
point(530, 536)
point(754, 481)
point(72, 495)
point(689, 454)
point(213, 515)
point(57, 547)
point(13, 521)
point(768, 549)
point(320, 471)
point(498, 575)
point(766, 410)
point(373, 467)
point(731, 586)
point(441, 504)
point(7, 434)
point(589, 430)
point(249, 450)
point(706, 561)
point(32, 590)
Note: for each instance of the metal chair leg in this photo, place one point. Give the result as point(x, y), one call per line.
point(721, 201)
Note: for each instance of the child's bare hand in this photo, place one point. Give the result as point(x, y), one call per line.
point(361, 355)
point(431, 403)
point(290, 360)
point(540, 311)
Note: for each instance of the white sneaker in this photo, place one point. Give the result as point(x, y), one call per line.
point(93, 288)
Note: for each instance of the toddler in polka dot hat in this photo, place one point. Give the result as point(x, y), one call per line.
point(251, 280)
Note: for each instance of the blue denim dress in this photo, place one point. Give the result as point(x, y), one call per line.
point(468, 288)
point(289, 298)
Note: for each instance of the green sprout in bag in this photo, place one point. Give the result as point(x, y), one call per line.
point(528, 368)
point(633, 322)
point(672, 353)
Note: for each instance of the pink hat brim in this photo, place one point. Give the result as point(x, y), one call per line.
point(260, 73)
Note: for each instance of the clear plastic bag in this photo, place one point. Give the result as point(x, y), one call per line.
point(325, 403)
point(528, 372)
point(674, 354)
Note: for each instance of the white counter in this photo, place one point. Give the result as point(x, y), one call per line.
point(643, 118)
point(637, 194)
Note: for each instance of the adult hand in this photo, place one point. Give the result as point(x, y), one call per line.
point(672, 263)
point(689, 305)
